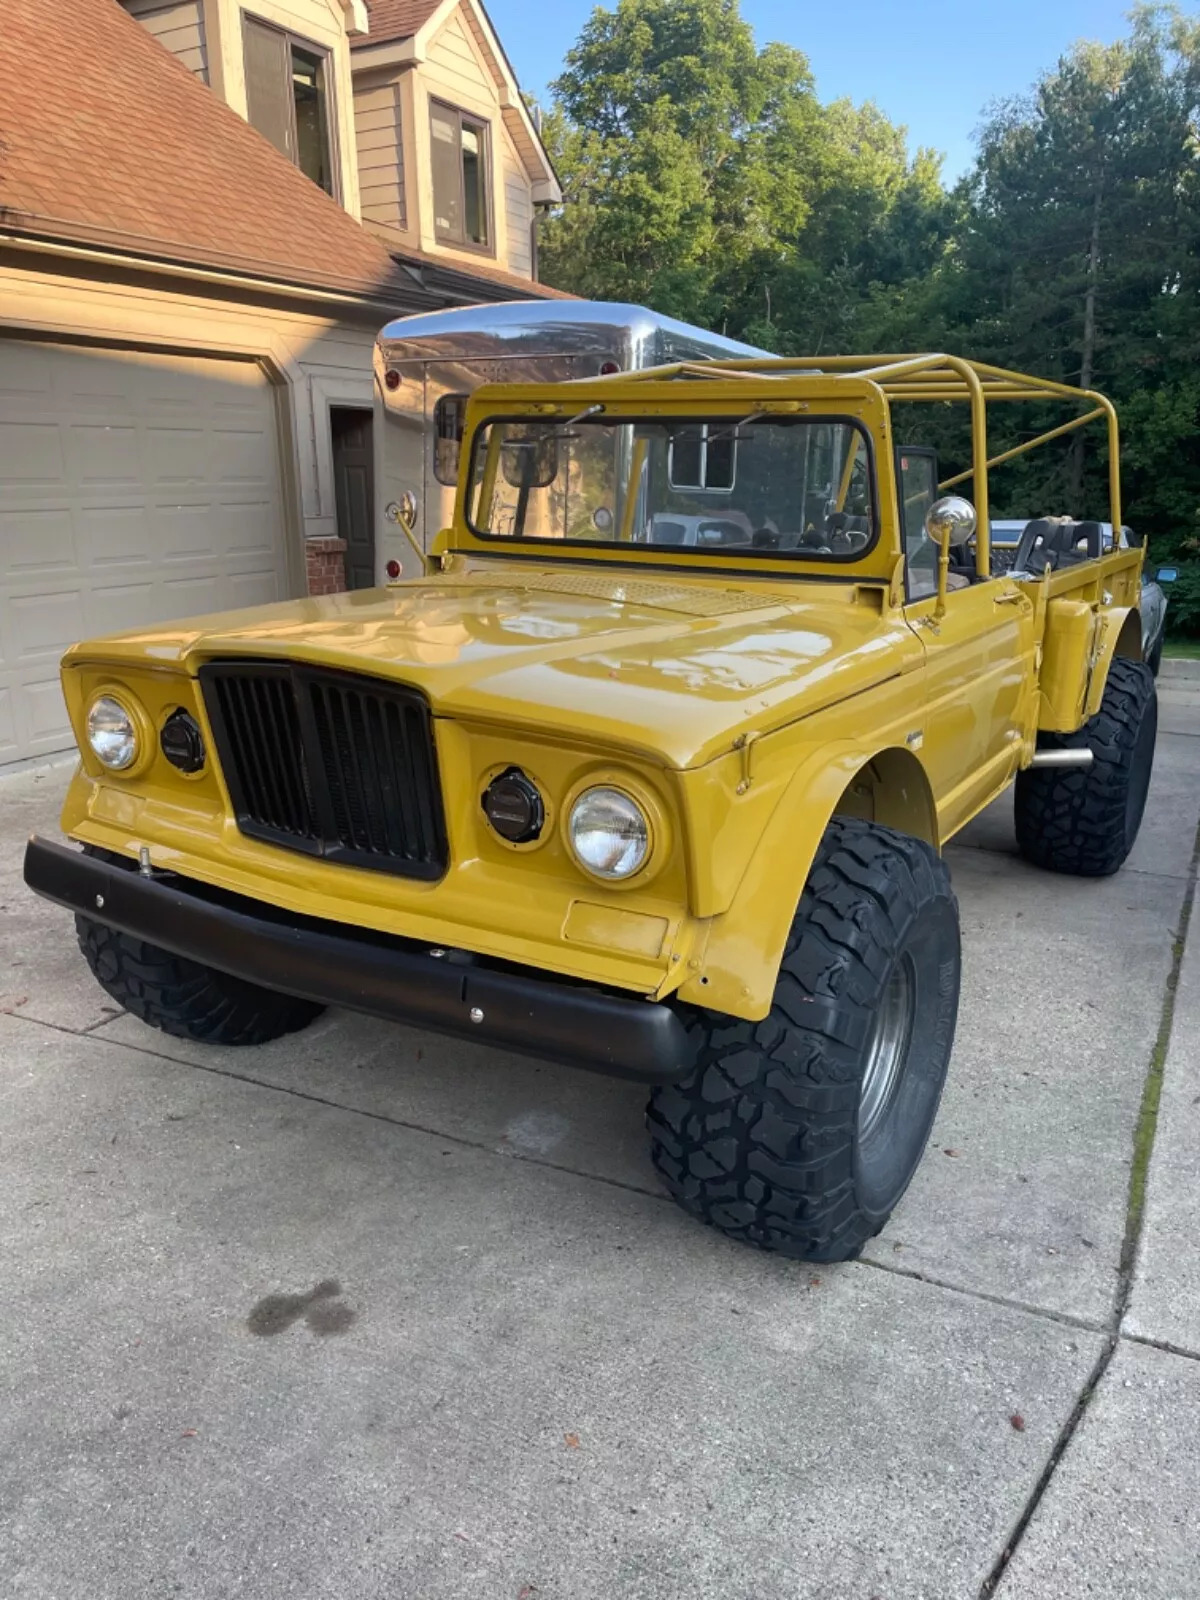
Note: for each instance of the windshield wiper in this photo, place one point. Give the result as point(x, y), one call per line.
point(742, 422)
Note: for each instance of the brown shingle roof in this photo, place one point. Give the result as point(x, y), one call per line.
point(106, 139)
point(478, 270)
point(395, 19)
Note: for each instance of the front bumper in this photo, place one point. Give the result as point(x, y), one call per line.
point(336, 964)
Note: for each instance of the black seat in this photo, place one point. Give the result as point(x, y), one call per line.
point(1056, 542)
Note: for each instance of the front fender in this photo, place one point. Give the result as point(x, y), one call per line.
point(745, 943)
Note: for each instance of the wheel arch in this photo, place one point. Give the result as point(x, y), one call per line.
point(892, 788)
point(746, 942)
point(1119, 633)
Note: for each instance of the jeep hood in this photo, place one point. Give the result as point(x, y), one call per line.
point(671, 670)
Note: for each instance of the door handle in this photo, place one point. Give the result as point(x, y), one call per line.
point(1012, 597)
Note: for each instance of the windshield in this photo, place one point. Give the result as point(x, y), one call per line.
point(760, 485)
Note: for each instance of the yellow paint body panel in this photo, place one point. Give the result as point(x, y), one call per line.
point(742, 702)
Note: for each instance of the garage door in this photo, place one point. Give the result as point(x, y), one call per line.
point(133, 488)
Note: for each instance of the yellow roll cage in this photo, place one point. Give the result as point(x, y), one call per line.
point(931, 378)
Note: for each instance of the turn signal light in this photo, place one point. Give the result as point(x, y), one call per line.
point(182, 742)
point(514, 807)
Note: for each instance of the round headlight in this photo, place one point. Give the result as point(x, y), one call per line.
point(111, 733)
point(609, 833)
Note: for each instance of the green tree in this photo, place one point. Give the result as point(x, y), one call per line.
point(1075, 257)
point(703, 176)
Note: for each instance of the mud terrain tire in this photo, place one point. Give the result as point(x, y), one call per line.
point(1084, 820)
point(800, 1133)
point(181, 997)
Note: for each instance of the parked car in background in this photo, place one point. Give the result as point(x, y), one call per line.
point(1006, 535)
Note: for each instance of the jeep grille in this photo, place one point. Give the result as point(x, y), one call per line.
point(329, 763)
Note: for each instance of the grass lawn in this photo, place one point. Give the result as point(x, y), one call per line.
point(1189, 648)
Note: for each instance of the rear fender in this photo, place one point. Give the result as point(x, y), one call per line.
point(745, 943)
point(1118, 633)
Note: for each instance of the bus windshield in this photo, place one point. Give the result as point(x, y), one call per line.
point(760, 485)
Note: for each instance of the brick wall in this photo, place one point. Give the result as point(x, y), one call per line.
point(326, 562)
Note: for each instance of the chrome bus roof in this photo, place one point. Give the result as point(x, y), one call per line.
point(633, 335)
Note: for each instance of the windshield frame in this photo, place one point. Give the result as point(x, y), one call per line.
point(730, 556)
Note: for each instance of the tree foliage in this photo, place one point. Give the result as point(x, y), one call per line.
point(704, 176)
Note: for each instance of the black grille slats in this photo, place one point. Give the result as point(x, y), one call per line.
point(329, 763)
point(263, 734)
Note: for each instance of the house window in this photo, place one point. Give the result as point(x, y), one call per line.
point(698, 460)
point(460, 176)
point(287, 98)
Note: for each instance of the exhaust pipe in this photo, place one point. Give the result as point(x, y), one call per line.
point(1062, 758)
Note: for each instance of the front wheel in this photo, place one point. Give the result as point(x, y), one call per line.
point(800, 1133)
point(182, 997)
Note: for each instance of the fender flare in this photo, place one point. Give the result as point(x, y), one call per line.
point(745, 944)
point(1118, 633)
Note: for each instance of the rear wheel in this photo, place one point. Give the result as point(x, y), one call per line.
point(800, 1133)
point(1084, 820)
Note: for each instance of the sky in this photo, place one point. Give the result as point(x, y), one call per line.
point(933, 65)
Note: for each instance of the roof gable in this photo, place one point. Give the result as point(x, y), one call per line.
point(419, 21)
point(107, 139)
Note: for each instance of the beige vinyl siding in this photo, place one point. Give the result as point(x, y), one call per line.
point(455, 62)
point(178, 26)
point(518, 216)
point(380, 144)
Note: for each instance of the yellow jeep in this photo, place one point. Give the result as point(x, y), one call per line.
point(649, 769)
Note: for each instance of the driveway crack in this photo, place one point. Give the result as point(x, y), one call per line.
point(1135, 1211)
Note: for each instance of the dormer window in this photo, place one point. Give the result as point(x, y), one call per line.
point(287, 98)
point(461, 178)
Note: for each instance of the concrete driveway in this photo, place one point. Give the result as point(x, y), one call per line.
point(369, 1313)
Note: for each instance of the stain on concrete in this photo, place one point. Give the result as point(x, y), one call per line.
point(322, 1310)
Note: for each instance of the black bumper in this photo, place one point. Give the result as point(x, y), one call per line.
point(339, 965)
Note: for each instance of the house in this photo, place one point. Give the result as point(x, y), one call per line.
point(207, 210)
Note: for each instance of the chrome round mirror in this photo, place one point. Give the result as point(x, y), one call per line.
point(950, 520)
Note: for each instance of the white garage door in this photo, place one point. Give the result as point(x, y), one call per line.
point(133, 488)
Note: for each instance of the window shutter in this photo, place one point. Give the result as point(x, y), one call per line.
point(267, 86)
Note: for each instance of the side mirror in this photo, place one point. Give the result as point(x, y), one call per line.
point(949, 521)
point(529, 458)
point(1166, 574)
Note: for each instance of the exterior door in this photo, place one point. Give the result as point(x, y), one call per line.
point(354, 493)
point(978, 668)
point(978, 661)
